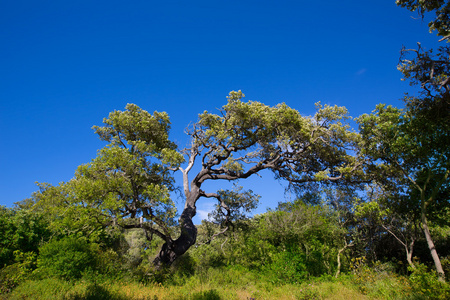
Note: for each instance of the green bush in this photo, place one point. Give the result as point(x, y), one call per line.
point(109, 263)
point(206, 295)
point(286, 267)
point(12, 275)
point(425, 284)
point(67, 258)
point(208, 255)
point(20, 230)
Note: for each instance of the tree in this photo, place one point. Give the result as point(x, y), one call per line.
point(128, 184)
point(406, 155)
point(248, 137)
point(441, 8)
point(430, 111)
point(234, 209)
point(427, 68)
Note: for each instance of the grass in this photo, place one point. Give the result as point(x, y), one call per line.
point(222, 283)
point(57, 289)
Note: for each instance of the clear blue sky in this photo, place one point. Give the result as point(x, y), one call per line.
point(64, 65)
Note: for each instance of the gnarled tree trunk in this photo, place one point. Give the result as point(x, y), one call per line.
point(173, 249)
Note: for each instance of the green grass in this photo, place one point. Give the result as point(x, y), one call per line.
point(223, 283)
point(56, 289)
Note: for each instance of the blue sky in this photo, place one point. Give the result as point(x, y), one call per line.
point(64, 65)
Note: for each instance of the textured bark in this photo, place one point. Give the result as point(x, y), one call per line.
point(171, 250)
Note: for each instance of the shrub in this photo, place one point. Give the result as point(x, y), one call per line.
point(67, 258)
point(286, 267)
point(12, 275)
point(425, 284)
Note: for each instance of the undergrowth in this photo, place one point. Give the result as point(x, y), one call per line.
point(230, 283)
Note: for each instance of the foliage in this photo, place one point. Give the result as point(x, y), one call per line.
point(20, 230)
point(287, 267)
point(127, 184)
point(379, 280)
point(12, 275)
point(426, 284)
point(67, 258)
point(309, 234)
point(232, 266)
point(392, 224)
point(409, 162)
point(234, 207)
point(441, 8)
point(295, 242)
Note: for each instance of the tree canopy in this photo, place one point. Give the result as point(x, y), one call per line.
point(128, 184)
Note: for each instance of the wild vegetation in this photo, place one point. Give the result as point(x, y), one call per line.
point(370, 219)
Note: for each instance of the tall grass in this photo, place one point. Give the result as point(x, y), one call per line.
point(56, 289)
point(230, 283)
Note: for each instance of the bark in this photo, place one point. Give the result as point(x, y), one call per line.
point(434, 255)
point(339, 261)
point(338, 271)
point(171, 250)
point(409, 256)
